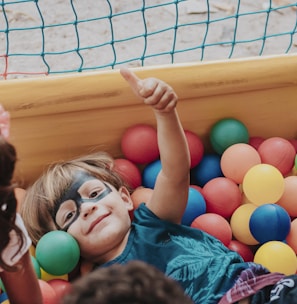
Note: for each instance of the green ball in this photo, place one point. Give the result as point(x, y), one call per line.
point(227, 132)
point(36, 267)
point(57, 252)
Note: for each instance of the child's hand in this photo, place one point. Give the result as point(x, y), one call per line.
point(153, 91)
point(4, 123)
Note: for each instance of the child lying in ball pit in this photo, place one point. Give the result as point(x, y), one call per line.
point(89, 200)
point(16, 269)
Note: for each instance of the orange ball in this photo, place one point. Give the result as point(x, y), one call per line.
point(288, 199)
point(141, 195)
point(214, 225)
point(48, 293)
point(292, 236)
point(237, 160)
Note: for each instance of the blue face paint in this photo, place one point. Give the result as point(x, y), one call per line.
point(74, 200)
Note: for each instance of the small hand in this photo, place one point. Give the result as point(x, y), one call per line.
point(152, 91)
point(4, 123)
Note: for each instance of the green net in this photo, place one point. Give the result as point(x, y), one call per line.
point(41, 37)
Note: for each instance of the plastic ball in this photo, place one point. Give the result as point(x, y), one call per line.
point(270, 222)
point(242, 249)
point(222, 196)
point(128, 171)
point(45, 276)
point(139, 144)
point(195, 206)
point(141, 195)
point(36, 267)
point(3, 297)
point(288, 199)
point(256, 141)
point(263, 184)
point(277, 256)
point(278, 152)
point(48, 293)
point(240, 224)
point(57, 252)
point(196, 147)
point(237, 160)
point(214, 225)
point(150, 173)
point(61, 287)
point(208, 168)
point(292, 236)
point(293, 141)
point(227, 132)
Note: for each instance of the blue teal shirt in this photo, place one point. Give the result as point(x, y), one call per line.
point(201, 264)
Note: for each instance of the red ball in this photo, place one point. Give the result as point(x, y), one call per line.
point(256, 141)
point(214, 225)
point(242, 249)
point(222, 196)
point(293, 141)
point(48, 293)
point(61, 287)
point(196, 147)
point(128, 171)
point(278, 152)
point(140, 145)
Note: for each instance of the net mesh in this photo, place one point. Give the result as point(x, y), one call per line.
point(42, 37)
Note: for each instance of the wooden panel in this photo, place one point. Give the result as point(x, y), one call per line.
point(61, 117)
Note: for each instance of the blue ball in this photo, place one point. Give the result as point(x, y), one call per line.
point(150, 173)
point(196, 206)
point(270, 222)
point(208, 168)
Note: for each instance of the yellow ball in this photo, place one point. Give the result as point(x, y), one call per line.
point(45, 276)
point(277, 256)
point(263, 184)
point(239, 223)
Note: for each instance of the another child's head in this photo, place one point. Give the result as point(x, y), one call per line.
point(8, 201)
point(135, 282)
point(75, 196)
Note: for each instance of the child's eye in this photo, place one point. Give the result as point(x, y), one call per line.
point(95, 194)
point(68, 217)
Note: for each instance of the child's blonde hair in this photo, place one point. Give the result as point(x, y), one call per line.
point(39, 204)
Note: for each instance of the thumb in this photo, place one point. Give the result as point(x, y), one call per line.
point(134, 82)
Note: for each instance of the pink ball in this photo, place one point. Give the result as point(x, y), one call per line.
point(196, 147)
point(61, 287)
point(214, 225)
point(128, 171)
point(242, 249)
point(237, 160)
point(48, 293)
point(293, 141)
point(139, 144)
point(278, 152)
point(222, 196)
point(288, 199)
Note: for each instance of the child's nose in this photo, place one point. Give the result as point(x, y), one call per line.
point(87, 209)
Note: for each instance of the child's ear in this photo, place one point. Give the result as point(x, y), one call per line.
point(126, 197)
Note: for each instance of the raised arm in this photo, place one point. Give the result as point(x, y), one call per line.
point(170, 194)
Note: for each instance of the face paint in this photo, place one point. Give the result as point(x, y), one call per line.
point(67, 208)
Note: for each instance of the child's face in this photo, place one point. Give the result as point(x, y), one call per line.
point(96, 215)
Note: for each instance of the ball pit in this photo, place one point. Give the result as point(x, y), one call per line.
point(230, 195)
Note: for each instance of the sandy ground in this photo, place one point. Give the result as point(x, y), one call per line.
point(48, 27)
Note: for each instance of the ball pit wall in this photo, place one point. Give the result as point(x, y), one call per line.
point(60, 117)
